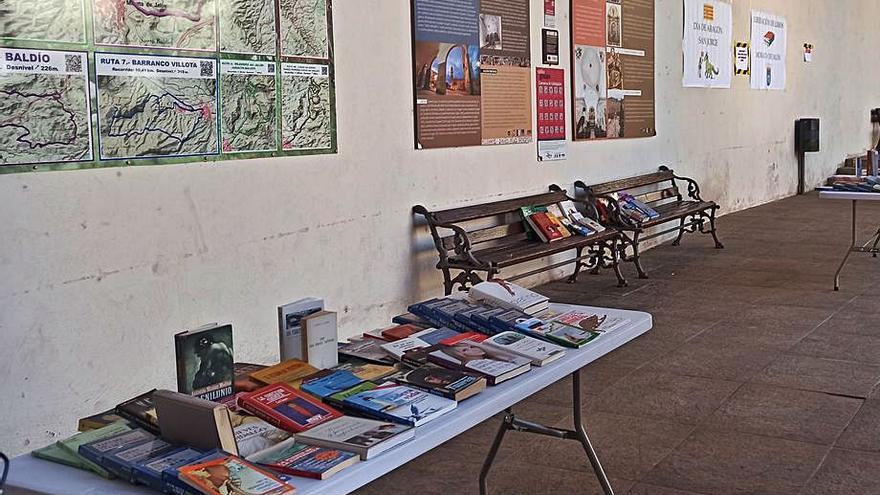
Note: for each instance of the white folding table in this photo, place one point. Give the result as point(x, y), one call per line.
point(30, 476)
point(854, 247)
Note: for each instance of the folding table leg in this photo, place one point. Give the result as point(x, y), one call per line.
point(493, 451)
point(581, 434)
point(851, 247)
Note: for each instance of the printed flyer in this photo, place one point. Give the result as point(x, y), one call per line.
point(613, 69)
point(768, 51)
point(706, 44)
point(550, 88)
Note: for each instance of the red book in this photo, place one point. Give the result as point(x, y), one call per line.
point(287, 408)
point(400, 332)
point(549, 229)
point(472, 336)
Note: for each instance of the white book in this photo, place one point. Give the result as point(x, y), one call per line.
point(290, 325)
point(538, 351)
point(574, 215)
point(399, 347)
point(508, 295)
point(365, 437)
point(319, 337)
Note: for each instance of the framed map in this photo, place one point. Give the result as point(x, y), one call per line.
point(98, 83)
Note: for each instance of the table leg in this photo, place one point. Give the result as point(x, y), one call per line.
point(848, 251)
point(493, 451)
point(582, 437)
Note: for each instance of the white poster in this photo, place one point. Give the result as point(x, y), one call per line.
point(708, 25)
point(768, 51)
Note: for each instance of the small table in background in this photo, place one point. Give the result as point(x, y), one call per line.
point(873, 242)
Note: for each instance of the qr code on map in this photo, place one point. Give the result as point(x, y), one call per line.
point(73, 63)
point(207, 68)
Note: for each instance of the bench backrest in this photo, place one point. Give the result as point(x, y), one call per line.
point(638, 187)
point(494, 223)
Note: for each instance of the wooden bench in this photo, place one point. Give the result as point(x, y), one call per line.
point(490, 237)
point(692, 213)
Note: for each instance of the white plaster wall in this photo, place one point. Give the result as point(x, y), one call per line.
point(99, 268)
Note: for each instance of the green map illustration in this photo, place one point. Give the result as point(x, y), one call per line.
point(43, 118)
point(57, 20)
point(304, 28)
point(247, 26)
point(305, 112)
point(248, 113)
point(187, 24)
point(143, 116)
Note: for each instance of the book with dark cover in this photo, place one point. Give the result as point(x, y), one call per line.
point(365, 349)
point(217, 476)
point(419, 357)
point(243, 381)
point(401, 404)
point(141, 411)
point(428, 309)
point(205, 366)
point(307, 461)
point(149, 471)
point(508, 320)
point(365, 437)
point(399, 332)
point(287, 408)
point(411, 319)
point(466, 318)
point(97, 450)
point(484, 318)
point(447, 314)
point(122, 462)
point(199, 423)
point(99, 420)
point(451, 384)
point(495, 366)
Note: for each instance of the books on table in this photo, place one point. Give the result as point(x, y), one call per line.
point(149, 472)
point(319, 339)
point(365, 437)
point(230, 475)
point(287, 408)
point(539, 352)
point(472, 357)
point(397, 348)
point(452, 384)
point(590, 321)
point(400, 404)
point(367, 349)
point(290, 325)
point(72, 444)
point(199, 423)
point(291, 371)
point(308, 461)
point(204, 361)
point(556, 332)
point(509, 295)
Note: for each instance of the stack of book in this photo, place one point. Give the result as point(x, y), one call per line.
point(634, 209)
point(852, 183)
point(558, 221)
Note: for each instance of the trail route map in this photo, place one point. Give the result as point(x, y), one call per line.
point(304, 28)
point(305, 106)
point(44, 107)
point(60, 20)
point(153, 106)
point(247, 26)
point(247, 99)
point(185, 24)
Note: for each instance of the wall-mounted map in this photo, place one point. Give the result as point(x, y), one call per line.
point(159, 81)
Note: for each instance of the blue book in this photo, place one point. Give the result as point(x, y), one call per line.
point(149, 472)
point(171, 476)
point(433, 336)
point(484, 318)
point(401, 404)
point(508, 320)
point(97, 450)
point(466, 318)
point(121, 463)
point(428, 309)
point(329, 382)
point(411, 319)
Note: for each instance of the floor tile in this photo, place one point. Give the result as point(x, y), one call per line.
point(846, 472)
point(842, 346)
point(646, 489)
point(863, 432)
point(724, 362)
point(521, 478)
point(821, 375)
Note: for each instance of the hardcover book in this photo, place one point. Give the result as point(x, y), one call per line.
point(307, 461)
point(204, 362)
point(243, 381)
point(366, 349)
point(593, 322)
point(397, 348)
point(140, 411)
point(509, 295)
point(290, 325)
point(149, 472)
point(319, 340)
point(508, 320)
point(99, 420)
point(401, 404)
point(291, 372)
point(122, 462)
point(232, 475)
point(287, 408)
point(484, 318)
point(545, 227)
point(199, 423)
point(411, 319)
point(451, 384)
point(71, 445)
point(537, 351)
point(495, 366)
point(97, 450)
point(365, 437)
point(556, 332)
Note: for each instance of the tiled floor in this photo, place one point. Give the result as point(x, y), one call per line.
point(757, 377)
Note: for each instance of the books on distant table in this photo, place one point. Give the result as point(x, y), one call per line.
point(204, 361)
point(556, 332)
point(308, 461)
point(397, 348)
point(290, 325)
point(539, 352)
point(231, 475)
point(365, 437)
point(365, 348)
point(586, 320)
point(287, 408)
point(400, 404)
point(494, 365)
point(509, 295)
point(452, 384)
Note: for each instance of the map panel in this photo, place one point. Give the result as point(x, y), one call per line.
point(305, 106)
point(247, 106)
point(247, 26)
point(304, 28)
point(156, 106)
point(58, 20)
point(44, 107)
point(184, 24)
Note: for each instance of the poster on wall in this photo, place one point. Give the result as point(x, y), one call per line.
point(612, 61)
point(472, 72)
point(165, 82)
point(550, 88)
point(706, 44)
point(768, 51)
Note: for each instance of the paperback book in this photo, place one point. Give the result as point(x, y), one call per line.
point(252, 434)
point(307, 461)
point(365, 349)
point(243, 381)
point(71, 445)
point(99, 420)
point(230, 475)
point(397, 348)
point(401, 404)
point(556, 332)
point(400, 332)
point(435, 335)
point(593, 322)
point(364, 437)
point(54, 453)
point(149, 472)
point(509, 295)
point(290, 325)
point(468, 356)
point(319, 339)
point(141, 411)
point(539, 352)
point(451, 384)
point(204, 362)
point(287, 408)
point(290, 372)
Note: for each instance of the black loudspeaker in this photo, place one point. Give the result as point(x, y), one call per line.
point(806, 135)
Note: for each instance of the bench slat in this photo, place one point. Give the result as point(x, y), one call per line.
point(513, 230)
point(631, 182)
point(512, 254)
point(484, 210)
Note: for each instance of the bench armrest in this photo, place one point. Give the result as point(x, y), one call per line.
point(462, 243)
point(592, 212)
point(693, 187)
point(616, 215)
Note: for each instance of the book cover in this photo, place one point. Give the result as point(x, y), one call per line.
point(176, 486)
point(365, 437)
point(644, 208)
point(401, 404)
point(122, 462)
point(570, 210)
point(484, 318)
point(435, 335)
point(508, 320)
point(72, 444)
point(558, 221)
point(291, 372)
point(199, 423)
point(419, 356)
point(509, 295)
point(97, 450)
point(556, 332)
point(252, 434)
point(400, 332)
point(307, 461)
point(231, 475)
point(411, 319)
point(366, 370)
point(243, 381)
point(455, 385)
point(141, 411)
point(472, 336)
point(329, 382)
point(397, 348)
point(319, 339)
point(466, 318)
point(593, 322)
point(149, 471)
point(529, 226)
point(495, 366)
point(538, 351)
point(204, 362)
point(99, 420)
point(287, 408)
point(545, 226)
point(365, 349)
point(54, 453)
point(290, 325)
point(338, 399)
